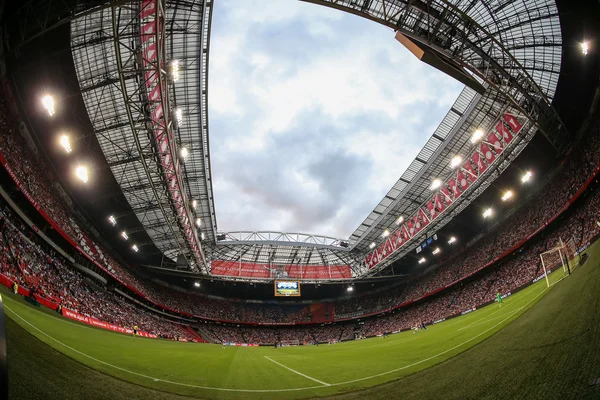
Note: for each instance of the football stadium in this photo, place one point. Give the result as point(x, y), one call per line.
point(297, 199)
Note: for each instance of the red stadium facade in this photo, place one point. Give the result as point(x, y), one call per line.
point(262, 271)
point(480, 160)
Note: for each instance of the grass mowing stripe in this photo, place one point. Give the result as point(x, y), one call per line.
point(299, 373)
point(150, 377)
point(437, 355)
point(477, 323)
point(323, 384)
point(490, 318)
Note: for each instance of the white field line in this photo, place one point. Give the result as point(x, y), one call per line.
point(268, 390)
point(491, 319)
point(484, 320)
point(299, 373)
point(475, 323)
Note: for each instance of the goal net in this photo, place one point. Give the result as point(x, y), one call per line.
point(556, 261)
point(572, 253)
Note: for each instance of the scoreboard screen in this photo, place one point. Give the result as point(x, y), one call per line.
point(287, 288)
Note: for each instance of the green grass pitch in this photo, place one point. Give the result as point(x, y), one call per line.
point(541, 332)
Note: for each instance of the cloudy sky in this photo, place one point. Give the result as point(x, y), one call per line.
point(314, 115)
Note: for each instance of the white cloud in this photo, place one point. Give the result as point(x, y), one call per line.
point(314, 114)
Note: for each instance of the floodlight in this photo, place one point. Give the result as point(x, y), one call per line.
point(179, 116)
point(112, 220)
point(422, 260)
point(194, 204)
point(175, 70)
point(400, 220)
point(435, 184)
point(82, 174)
point(451, 240)
point(124, 235)
point(198, 222)
point(385, 233)
point(487, 213)
point(197, 284)
point(507, 195)
point(202, 236)
point(455, 162)
point(372, 245)
point(350, 288)
point(436, 250)
point(585, 48)
point(64, 142)
point(184, 153)
point(477, 135)
point(526, 177)
point(135, 248)
point(48, 102)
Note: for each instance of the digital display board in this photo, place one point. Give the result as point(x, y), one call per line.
point(287, 288)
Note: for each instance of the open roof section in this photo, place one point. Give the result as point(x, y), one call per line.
point(316, 118)
point(513, 47)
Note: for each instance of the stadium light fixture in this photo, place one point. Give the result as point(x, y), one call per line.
point(476, 136)
point(112, 220)
point(488, 213)
point(435, 184)
point(350, 288)
point(48, 103)
point(179, 116)
point(64, 142)
point(400, 220)
point(372, 245)
point(451, 240)
point(135, 248)
point(585, 47)
point(422, 260)
point(526, 177)
point(184, 153)
point(455, 162)
point(175, 70)
point(202, 236)
point(198, 222)
point(124, 235)
point(385, 233)
point(197, 284)
point(436, 251)
point(194, 204)
point(81, 173)
point(507, 195)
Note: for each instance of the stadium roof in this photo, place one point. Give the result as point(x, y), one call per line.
point(512, 48)
point(133, 162)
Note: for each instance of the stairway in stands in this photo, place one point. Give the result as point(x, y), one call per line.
point(194, 334)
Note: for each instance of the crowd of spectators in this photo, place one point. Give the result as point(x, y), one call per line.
point(36, 180)
point(34, 176)
point(226, 310)
point(40, 270)
point(516, 270)
point(549, 201)
point(297, 335)
point(35, 267)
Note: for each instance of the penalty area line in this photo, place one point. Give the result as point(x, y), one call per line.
point(297, 372)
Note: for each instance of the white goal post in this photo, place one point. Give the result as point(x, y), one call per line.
point(563, 256)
